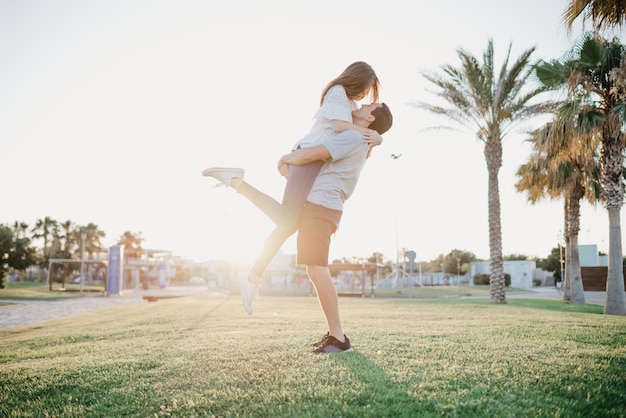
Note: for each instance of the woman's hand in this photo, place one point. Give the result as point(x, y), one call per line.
point(283, 167)
point(372, 138)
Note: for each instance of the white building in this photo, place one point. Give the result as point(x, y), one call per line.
point(589, 256)
point(522, 272)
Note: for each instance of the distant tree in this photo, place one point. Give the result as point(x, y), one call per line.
point(68, 239)
point(94, 236)
point(435, 264)
point(6, 237)
point(458, 261)
point(16, 251)
point(132, 245)
point(20, 229)
point(46, 229)
point(514, 257)
point(552, 262)
point(376, 257)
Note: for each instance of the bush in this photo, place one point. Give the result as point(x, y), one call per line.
point(483, 279)
point(3, 280)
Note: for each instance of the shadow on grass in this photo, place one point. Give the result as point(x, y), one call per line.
point(379, 391)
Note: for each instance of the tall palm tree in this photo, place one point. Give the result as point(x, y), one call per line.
point(490, 103)
point(563, 164)
point(603, 14)
point(594, 74)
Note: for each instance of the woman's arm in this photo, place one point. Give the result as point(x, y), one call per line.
point(370, 136)
point(343, 125)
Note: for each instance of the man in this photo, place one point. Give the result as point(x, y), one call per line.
point(344, 156)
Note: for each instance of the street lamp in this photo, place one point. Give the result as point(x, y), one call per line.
point(83, 236)
point(396, 195)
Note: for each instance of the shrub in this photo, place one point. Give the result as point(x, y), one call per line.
point(482, 278)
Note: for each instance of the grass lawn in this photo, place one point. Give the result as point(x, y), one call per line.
point(204, 356)
point(39, 291)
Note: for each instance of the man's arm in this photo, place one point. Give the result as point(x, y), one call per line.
point(302, 156)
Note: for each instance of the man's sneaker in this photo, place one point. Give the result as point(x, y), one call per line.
point(332, 345)
point(248, 292)
point(320, 342)
point(224, 175)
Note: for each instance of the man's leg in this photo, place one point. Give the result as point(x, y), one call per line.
point(316, 226)
point(328, 299)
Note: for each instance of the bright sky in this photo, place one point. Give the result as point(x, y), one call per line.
point(110, 110)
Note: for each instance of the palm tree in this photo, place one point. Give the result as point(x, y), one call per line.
point(16, 251)
point(93, 239)
point(68, 237)
point(132, 249)
point(132, 245)
point(594, 73)
point(20, 229)
point(603, 14)
point(489, 103)
point(47, 230)
point(563, 164)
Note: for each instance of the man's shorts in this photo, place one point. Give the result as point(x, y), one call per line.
point(317, 223)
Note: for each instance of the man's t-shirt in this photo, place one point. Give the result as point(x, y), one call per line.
point(339, 175)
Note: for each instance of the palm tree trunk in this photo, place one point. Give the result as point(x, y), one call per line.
point(615, 298)
point(493, 156)
point(612, 175)
point(567, 294)
point(575, 281)
point(577, 293)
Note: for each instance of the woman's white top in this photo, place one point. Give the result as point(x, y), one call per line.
point(335, 106)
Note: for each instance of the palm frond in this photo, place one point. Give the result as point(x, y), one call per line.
point(620, 110)
point(603, 14)
point(551, 74)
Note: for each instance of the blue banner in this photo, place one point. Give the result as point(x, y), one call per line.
point(115, 271)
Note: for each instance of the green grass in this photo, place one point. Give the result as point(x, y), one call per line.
point(414, 292)
point(203, 356)
point(39, 291)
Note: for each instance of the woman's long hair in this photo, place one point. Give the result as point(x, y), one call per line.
point(358, 77)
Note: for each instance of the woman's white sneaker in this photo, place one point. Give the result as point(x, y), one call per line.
point(248, 291)
point(224, 175)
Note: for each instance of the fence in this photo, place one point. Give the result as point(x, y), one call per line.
point(594, 278)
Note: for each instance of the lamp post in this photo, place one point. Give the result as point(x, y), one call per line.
point(396, 196)
point(561, 261)
point(83, 236)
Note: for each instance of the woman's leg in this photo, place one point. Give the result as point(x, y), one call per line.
point(267, 204)
point(299, 184)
